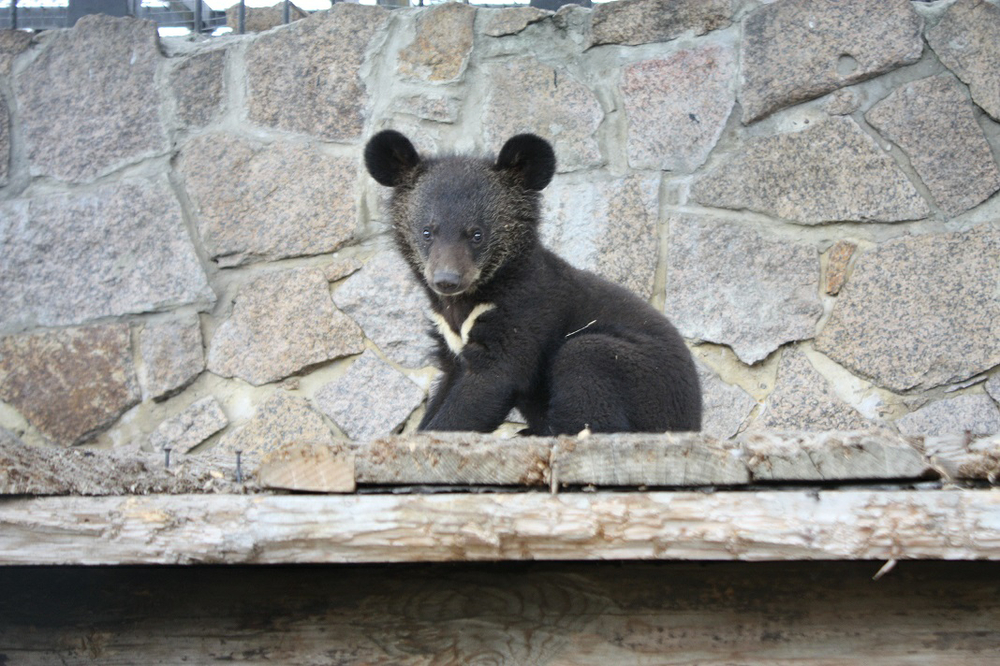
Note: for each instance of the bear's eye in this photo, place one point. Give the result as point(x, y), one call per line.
point(427, 233)
point(477, 236)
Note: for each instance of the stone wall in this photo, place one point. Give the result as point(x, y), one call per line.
point(191, 252)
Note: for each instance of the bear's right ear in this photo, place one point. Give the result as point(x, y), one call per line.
point(389, 156)
point(531, 158)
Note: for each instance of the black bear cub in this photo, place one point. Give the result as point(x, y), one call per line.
point(516, 325)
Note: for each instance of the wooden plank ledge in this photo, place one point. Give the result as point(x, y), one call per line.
point(287, 529)
point(675, 460)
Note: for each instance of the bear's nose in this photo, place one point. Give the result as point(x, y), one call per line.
point(447, 282)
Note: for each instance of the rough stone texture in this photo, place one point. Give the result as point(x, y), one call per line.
point(730, 285)
point(802, 399)
point(270, 202)
point(306, 77)
point(80, 121)
point(677, 107)
point(71, 383)
point(372, 400)
point(838, 259)
point(842, 102)
point(281, 323)
point(512, 20)
point(724, 407)
point(9, 439)
point(633, 22)
point(438, 108)
point(975, 414)
point(197, 87)
point(527, 96)
point(282, 419)
point(12, 44)
point(4, 142)
point(172, 356)
point(340, 269)
point(993, 387)
point(831, 172)
point(797, 50)
point(115, 250)
point(259, 19)
point(440, 49)
point(920, 311)
point(386, 300)
point(191, 427)
point(606, 226)
point(967, 40)
point(933, 122)
point(54, 256)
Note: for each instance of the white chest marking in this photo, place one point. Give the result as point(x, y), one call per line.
point(457, 341)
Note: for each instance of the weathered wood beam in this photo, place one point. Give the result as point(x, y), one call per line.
point(771, 525)
point(454, 459)
point(470, 459)
point(657, 460)
point(36, 470)
point(831, 456)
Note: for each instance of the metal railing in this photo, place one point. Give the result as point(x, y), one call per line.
point(37, 15)
point(172, 16)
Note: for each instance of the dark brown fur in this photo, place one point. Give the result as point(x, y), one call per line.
point(566, 347)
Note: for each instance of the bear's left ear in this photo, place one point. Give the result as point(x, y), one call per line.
point(389, 156)
point(531, 158)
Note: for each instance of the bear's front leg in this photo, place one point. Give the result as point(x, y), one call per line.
point(439, 393)
point(469, 401)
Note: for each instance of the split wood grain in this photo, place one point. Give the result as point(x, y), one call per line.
point(762, 525)
point(831, 456)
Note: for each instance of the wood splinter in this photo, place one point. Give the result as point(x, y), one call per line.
point(886, 568)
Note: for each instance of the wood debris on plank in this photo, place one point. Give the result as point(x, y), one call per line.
point(959, 456)
point(127, 470)
point(671, 460)
point(831, 456)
